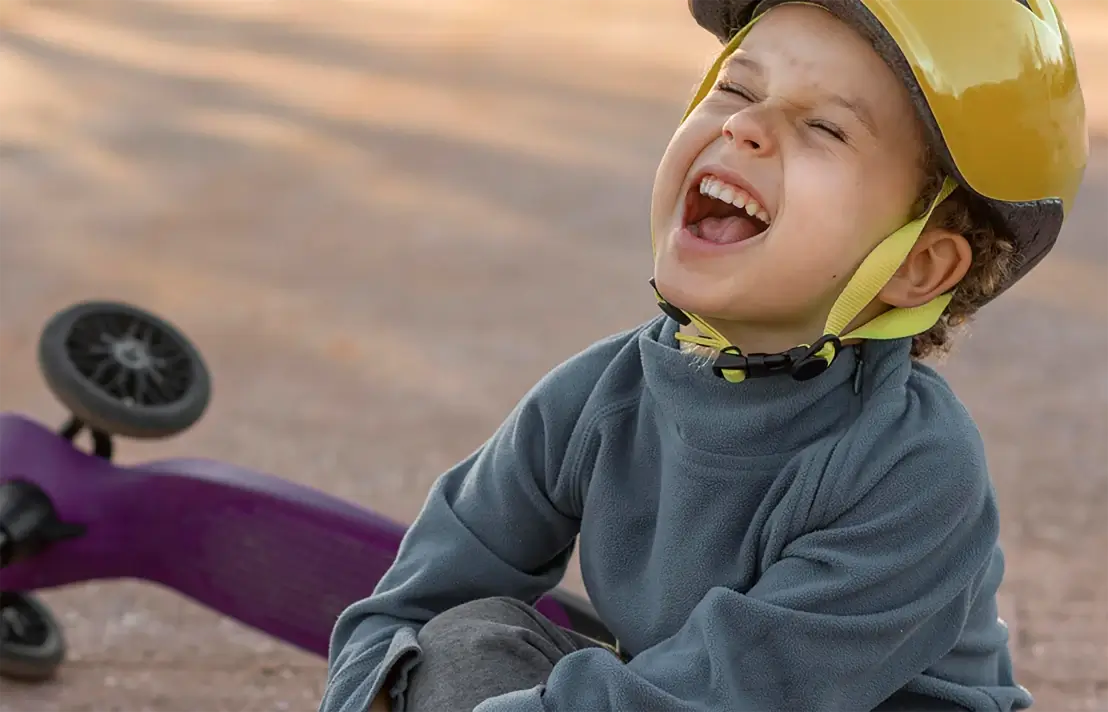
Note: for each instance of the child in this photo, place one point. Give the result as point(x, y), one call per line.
point(815, 530)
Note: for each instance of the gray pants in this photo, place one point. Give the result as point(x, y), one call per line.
point(498, 645)
point(483, 649)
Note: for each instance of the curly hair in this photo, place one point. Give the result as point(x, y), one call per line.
point(994, 257)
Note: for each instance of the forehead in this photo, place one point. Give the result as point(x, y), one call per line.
point(802, 33)
point(803, 47)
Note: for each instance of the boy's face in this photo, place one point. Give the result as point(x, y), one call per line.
point(811, 125)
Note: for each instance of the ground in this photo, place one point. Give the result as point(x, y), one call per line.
point(382, 221)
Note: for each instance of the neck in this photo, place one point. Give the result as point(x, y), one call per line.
point(751, 338)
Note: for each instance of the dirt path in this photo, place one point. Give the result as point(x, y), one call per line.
point(317, 191)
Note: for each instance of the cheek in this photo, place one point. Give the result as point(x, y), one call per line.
point(830, 222)
point(680, 155)
point(826, 203)
point(661, 197)
point(893, 183)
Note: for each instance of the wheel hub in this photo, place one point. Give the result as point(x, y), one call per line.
point(130, 353)
point(129, 358)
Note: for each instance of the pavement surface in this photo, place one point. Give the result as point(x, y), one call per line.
point(383, 221)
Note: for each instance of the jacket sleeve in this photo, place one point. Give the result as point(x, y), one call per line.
point(847, 615)
point(500, 523)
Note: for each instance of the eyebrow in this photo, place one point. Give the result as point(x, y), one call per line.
point(859, 109)
point(742, 60)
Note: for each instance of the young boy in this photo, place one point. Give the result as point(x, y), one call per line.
point(815, 530)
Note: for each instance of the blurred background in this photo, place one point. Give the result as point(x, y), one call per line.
point(369, 215)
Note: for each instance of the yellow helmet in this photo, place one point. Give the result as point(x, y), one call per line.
point(994, 83)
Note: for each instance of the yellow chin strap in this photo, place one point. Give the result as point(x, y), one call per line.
point(809, 360)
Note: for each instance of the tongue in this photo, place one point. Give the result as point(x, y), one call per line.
point(724, 231)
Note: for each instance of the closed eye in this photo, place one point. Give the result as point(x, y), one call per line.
point(732, 88)
point(829, 129)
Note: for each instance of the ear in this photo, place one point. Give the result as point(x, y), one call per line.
point(937, 263)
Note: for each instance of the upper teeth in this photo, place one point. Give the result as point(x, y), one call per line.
point(710, 185)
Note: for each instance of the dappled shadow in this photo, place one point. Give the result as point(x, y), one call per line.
point(166, 145)
point(300, 203)
point(192, 178)
point(151, 119)
point(477, 68)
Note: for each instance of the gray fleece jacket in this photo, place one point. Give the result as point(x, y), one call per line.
point(769, 545)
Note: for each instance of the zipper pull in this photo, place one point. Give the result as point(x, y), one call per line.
point(858, 369)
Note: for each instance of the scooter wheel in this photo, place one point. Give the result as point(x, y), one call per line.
point(32, 646)
point(123, 371)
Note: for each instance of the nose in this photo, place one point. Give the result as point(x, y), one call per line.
point(747, 132)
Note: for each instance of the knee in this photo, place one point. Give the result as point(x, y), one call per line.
point(465, 620)
point(478, 650)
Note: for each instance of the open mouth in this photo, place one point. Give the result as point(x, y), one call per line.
point(720, 212)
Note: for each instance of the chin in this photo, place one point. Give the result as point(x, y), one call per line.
point(723, 301)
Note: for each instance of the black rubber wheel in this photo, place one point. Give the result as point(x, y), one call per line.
point(123, 371)
point(32, 646)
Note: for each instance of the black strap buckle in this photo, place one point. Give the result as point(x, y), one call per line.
point(753, 365)
point(801, 362)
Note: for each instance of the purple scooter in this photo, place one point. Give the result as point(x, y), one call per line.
point(277, 556)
